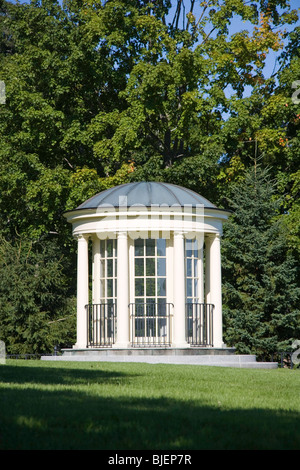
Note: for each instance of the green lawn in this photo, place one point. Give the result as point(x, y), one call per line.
point(114, 406)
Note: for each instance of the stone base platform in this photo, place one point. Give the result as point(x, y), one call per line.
point(222, 357)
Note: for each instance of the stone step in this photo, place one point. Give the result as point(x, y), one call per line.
point(237, 361)
point(154, 351)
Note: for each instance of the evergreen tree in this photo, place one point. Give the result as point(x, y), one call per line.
point(261, 294)
point(36, 308)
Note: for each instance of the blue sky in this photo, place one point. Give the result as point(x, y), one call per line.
point(271, 64)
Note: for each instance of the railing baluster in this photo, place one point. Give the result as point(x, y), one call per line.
point(199, 324)
point(100, 325)
point(150, 326)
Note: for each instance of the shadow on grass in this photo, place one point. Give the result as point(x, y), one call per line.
point(51, 418)
point(59, 375)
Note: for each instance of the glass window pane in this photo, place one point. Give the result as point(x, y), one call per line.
point(188, 248)
point(150, 307)
point(189, 267)
point(150, 267)
point(196, 267)
point(102, 248)
point(162, 327)
point(139, 247)
point(102, 268)
point(196, 248)
point(150, 327)
point(161, 247)
point(195, 287)
point(109, 247)
point(161, 307)
point(150, 287)
point(161, 286)
point(110, 267)
point(102, 288)
point(189, 289)
point(109, 286)
point(150, 247)
point(139, 266)
point(139, 287)
point(139, 308)
point(139, 326)
point(161, 266)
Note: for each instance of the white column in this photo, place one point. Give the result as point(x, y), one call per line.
point(82, 291)
point(96, 289)
point(208, 241)
point(96, 271)
point(200, 274)
point(179, 339)
point(216, 290)
point(123, 340)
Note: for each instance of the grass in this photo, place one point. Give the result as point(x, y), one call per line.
point(117, 406)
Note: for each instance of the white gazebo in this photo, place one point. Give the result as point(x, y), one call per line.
point(154, 268)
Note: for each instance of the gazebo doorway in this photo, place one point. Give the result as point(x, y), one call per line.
point(150, 311)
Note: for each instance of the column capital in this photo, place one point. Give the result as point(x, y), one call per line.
point(179, 234)
point(82, 237)
point(122, 234)
point(212, 236)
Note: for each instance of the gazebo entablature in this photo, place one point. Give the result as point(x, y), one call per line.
point(186, 264)
point(146, 222)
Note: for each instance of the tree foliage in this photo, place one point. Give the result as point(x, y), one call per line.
point(36, 309)
point(261, 291)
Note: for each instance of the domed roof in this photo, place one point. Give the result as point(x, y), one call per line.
point(146, 194)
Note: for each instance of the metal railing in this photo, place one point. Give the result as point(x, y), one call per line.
point(101, 325)
point(284, 359)
point(199, 324)
point(150, 324)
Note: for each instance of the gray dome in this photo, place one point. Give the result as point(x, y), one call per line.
point(146, 194)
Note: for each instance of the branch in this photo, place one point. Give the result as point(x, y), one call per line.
point(71, 166)
point(177, 13)
point(60, 319)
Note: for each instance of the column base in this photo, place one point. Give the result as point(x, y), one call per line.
point(219, 344)
point(80, 346)
point(182, 345)
point(124, 345)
